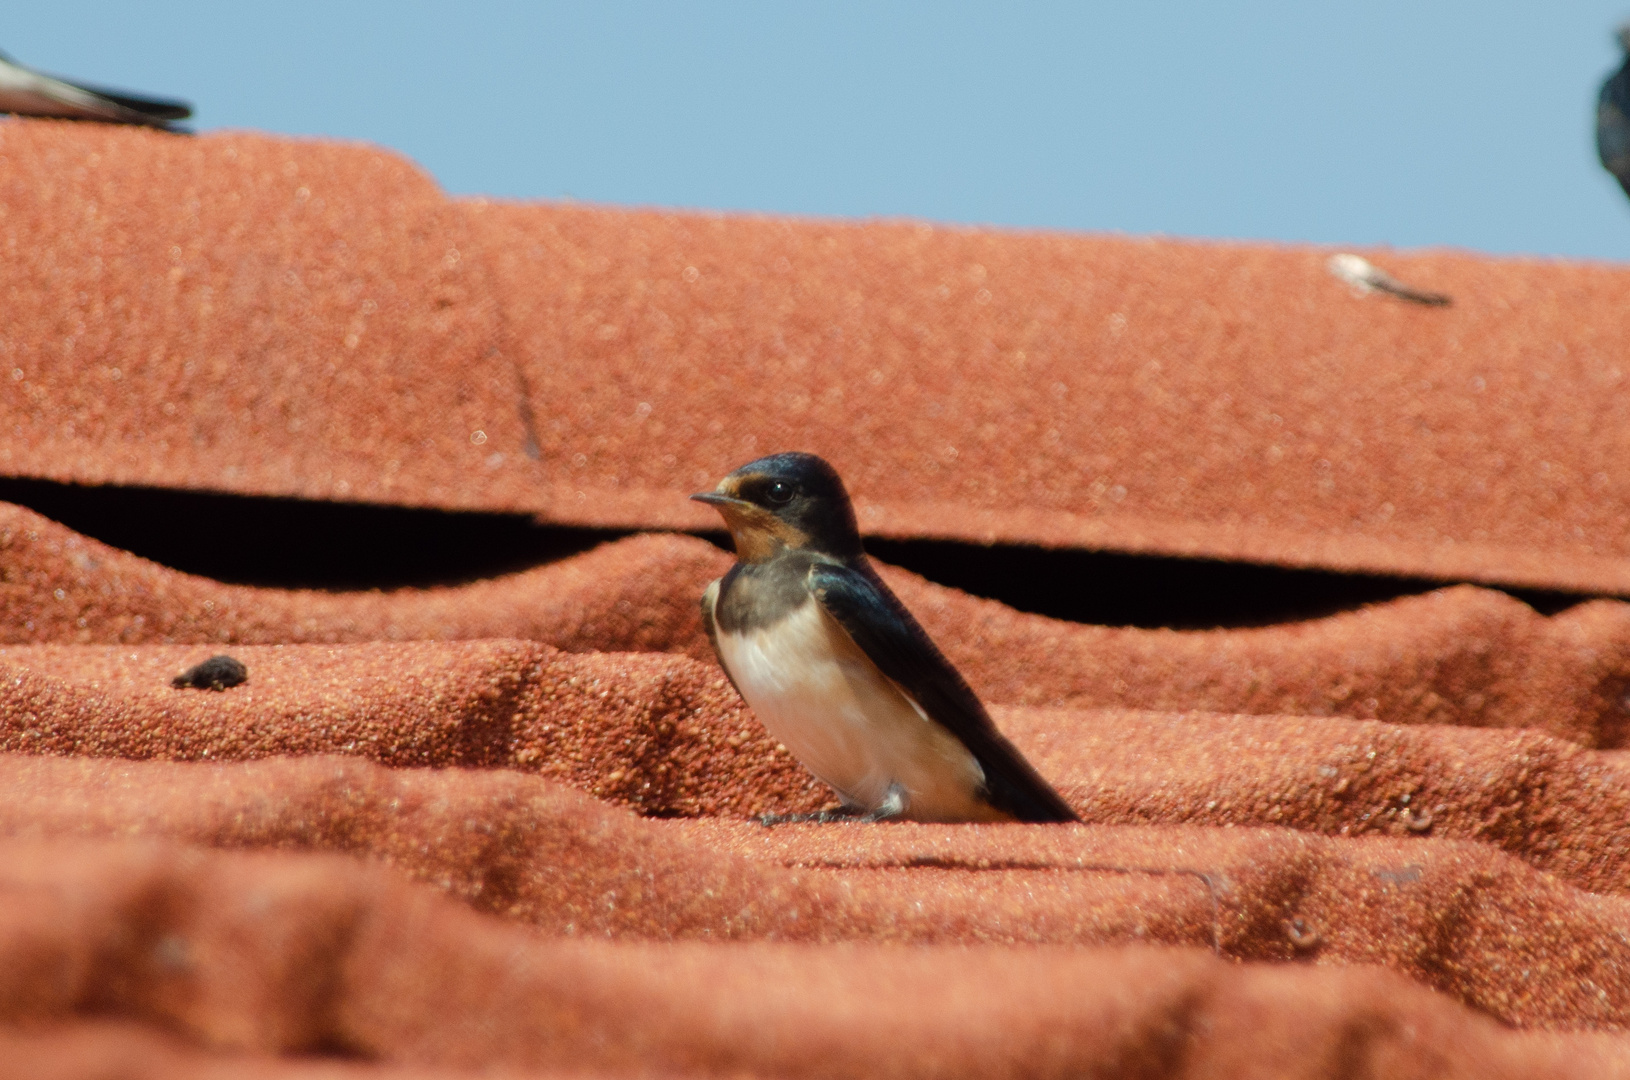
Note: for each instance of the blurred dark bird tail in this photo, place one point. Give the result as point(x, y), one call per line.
point(1365, 277)
point(1613, 119)
point(27, 92)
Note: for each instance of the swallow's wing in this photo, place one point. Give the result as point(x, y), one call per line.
point(31, 93)
point(885, 631)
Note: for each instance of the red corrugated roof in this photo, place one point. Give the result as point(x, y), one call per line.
point(1385, 822)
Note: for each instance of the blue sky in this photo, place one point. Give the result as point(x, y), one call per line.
point(1439, 123)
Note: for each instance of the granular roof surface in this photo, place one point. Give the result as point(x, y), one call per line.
point(507, 826)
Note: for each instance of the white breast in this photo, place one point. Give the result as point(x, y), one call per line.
point(819, 694)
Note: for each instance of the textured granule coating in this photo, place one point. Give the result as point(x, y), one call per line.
point(1462, 655)
point(503, 842)
point(662, 733)
point(1456, 916)
point(667, 736)
point(294, 953)
point(275, 316)
point(533, 851)
point(247, 314)
point(399, 703)
point(1553, 805)
point(656, 731)
point(1223, 400)
point(637, 594)
point(100, 1049)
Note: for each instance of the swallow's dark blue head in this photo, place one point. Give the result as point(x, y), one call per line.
point(784, 501)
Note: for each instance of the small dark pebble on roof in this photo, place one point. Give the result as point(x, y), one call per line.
point(216, 673)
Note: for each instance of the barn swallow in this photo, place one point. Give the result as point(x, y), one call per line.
point(836, 668)
point(27, 92)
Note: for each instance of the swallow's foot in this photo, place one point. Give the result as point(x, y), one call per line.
point(820, 817)
point(892, 806)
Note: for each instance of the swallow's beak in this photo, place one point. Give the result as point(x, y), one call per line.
point(713, 498)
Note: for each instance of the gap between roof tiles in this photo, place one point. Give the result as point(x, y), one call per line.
point(301, 543)
point(310, 544)
point(1151, 591)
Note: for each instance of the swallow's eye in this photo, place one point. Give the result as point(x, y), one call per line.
point(779, 493)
